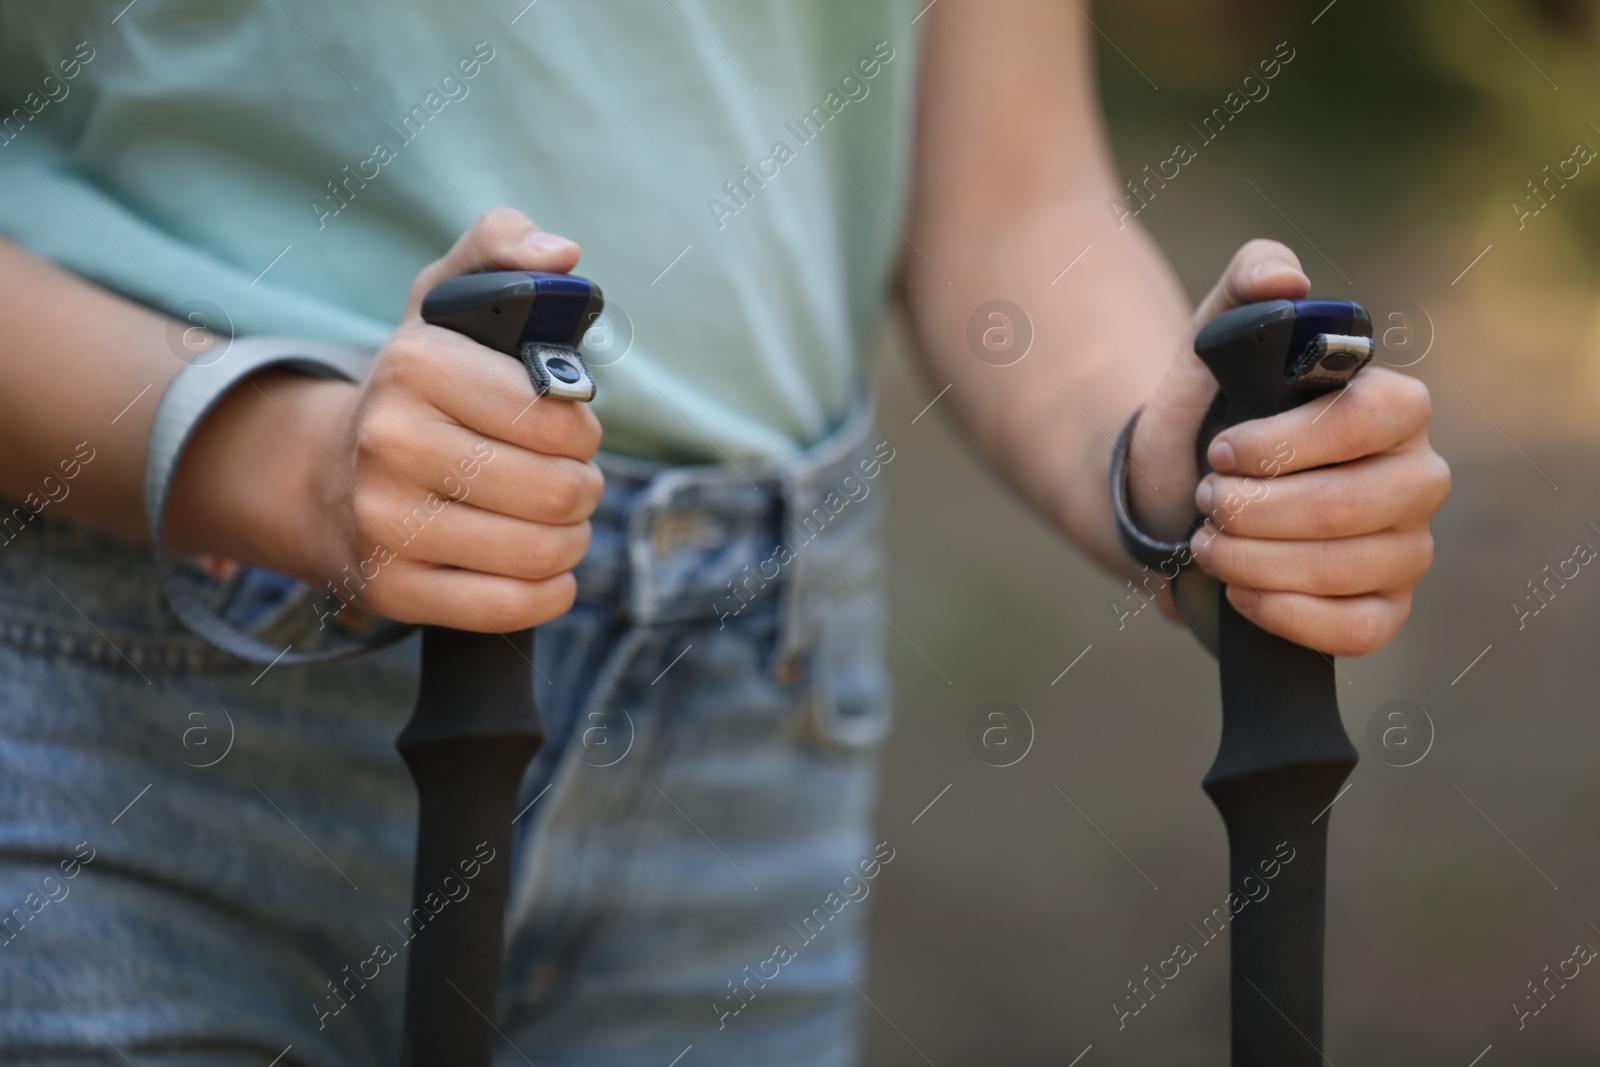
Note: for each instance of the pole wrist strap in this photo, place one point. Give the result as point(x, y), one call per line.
point(1195, 592)
point(1151, 551)
point(189, 398)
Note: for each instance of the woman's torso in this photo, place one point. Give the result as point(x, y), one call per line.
point(729, 166)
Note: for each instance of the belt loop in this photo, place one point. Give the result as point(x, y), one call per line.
point(797, 486)
point(644, 600)
point(800, 483)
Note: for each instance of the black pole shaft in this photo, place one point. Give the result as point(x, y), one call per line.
point(1283, 756)
point(473, 734)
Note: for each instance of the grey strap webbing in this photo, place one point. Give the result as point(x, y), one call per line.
point(189, 398)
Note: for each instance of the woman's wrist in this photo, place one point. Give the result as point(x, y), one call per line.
point(1163, 473)
point(260, 481)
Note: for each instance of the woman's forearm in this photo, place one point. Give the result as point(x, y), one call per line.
point(1009, 200)
point(84, 370)
point(80, 365)
point(1102, 333)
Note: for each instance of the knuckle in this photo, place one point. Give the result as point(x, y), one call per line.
point(577, 545)
point(1413, 398)
point(1401, 611)
point(404, 345)
point(1438, 479)
point(372, 437)
point(497, 219)
point(570, 430)
point(380, 431)
point(563, 493)
point(593, 482)
point(1424, 481)
point(1423, 551)
point(589, 433)
point(1262, 248)
point(1407, 556)
point(367, 516)
point(556, 550)
point(407, 357)
point(497, 232)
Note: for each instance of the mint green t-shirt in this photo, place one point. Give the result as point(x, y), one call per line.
point(730, 168)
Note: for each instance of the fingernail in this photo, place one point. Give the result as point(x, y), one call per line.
point(1220, 456)
point(1244, 599)
point(1202, 497)
point(545, 241)
point(1273, 266)
point(1200, 545)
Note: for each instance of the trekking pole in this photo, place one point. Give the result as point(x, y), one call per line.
point(476, 727)
point(1284, 751)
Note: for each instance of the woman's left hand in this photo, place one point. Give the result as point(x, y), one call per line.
point(1319, 516)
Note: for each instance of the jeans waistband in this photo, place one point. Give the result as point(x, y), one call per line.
point(671, 544)
point(676, 544)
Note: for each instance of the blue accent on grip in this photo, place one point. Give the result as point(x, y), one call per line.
point(1312, 317)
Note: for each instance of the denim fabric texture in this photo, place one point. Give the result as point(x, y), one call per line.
point(199, 858)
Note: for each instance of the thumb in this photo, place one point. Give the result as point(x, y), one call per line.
point(1260, 270)
point(501, 239)
point(1164, 444)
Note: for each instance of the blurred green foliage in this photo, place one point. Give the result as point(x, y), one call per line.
point(1403, 114)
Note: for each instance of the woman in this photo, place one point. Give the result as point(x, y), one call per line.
point(219, 850)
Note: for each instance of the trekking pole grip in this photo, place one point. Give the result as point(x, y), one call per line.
point(1284, 751)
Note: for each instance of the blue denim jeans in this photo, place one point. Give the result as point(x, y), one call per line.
point(199, 859)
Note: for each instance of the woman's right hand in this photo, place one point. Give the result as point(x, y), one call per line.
point(443, 490)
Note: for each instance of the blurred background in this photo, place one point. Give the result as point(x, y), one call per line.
point(1465, 857)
